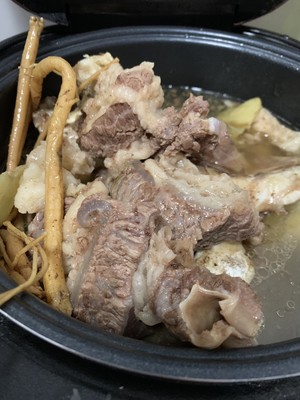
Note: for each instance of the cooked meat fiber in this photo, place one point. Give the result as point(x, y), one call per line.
point(114, 130)
point(129, 269)
point(204, 140)
point(128, 273)
point(195, 305)
point(135, 79)
point(206, 209)
point(102, 291)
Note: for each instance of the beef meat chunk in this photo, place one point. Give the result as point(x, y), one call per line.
point(207, 209)
point(117, 235)
point(195, 305)
point(128, 106)
point(116, 129)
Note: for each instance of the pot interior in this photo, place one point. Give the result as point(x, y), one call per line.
point(240, 65)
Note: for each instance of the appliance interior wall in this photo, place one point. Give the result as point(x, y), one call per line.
point(240, 66)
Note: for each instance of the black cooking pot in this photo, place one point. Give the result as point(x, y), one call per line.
point(245, 64)
point(81, 15)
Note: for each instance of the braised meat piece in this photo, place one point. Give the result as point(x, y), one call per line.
point(116, 129)
point(205, 208)
point(117, 235)
point(136, 235)
point(131, 277)
point(195, 305)
point(137, 268)
point(138, 87)
point(128, 107)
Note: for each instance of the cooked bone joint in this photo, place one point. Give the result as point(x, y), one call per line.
point(203, 309)
point(112, 87)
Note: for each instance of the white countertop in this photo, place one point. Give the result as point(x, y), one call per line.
point(14, 20)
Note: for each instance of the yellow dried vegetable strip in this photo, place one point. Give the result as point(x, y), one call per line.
point(19, 279)
point(30, 243)
point(13, 246)
point(26, 248)
point(54, 280)
point(4, 254)
point(9, 294)
point(22, 113)
point(42, 135)
point(35, 275)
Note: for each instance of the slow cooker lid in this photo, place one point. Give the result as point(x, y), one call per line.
point(87, 15)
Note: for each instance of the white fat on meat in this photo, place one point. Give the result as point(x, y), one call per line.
point(227, 258)
point(156, 259)
point(212, 191)
point(201, 312)
point(272, 191)
point(30, 196)
point(140, 149)
point(206, 208)
point(103, 97)
point(90, 65)
point(78, 162)
point(144, 101)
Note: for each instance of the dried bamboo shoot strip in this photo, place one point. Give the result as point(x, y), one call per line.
point(54, 280)
point(23, 107)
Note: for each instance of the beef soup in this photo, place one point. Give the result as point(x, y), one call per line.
point(179, 217)
point(165, 207)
